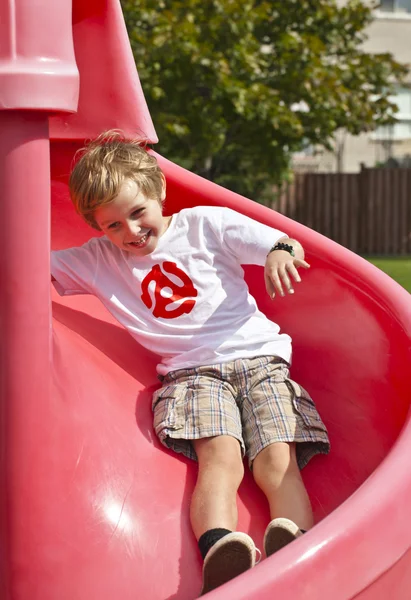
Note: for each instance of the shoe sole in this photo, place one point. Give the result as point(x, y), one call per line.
point(230, 560)
point(276, 539)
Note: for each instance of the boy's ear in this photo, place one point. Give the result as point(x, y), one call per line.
point(163, 191)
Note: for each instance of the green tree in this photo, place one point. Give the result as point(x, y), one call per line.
point(236, 86)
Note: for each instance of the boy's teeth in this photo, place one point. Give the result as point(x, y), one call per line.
point(140, 241)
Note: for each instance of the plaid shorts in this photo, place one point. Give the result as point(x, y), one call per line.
point(252, 400)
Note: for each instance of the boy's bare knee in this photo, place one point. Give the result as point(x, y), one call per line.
point(278, 459)
point(221, 452)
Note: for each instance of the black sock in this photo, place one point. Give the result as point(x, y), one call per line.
point(303, 530)
point(209, 538)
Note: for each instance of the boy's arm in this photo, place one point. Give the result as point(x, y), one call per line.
point(281, 266)
point(72, 270)
point(252, 242)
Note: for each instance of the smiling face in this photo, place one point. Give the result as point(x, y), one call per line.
point(132, 221)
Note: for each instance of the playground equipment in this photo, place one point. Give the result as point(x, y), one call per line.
point(91, 507)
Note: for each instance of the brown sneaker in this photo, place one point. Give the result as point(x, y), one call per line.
point(278, 534)
point(232, 555)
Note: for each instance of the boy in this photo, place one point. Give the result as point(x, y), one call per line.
point(176, 284)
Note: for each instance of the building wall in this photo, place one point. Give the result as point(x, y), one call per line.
point(390, 32)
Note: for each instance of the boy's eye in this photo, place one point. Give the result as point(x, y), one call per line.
point(113, 225)
point(137, 212)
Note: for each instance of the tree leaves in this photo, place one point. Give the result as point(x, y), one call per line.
point(236, 86)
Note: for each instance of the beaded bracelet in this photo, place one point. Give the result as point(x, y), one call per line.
point(281, 246)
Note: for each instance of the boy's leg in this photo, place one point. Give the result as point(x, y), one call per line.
point(275, 409)
point(226, 553)
point(276, 472)
point(220, 472)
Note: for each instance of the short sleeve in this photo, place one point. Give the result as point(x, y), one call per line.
point(249, 240)
point(74, 269)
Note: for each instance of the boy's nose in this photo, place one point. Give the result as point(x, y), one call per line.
point(133, 229)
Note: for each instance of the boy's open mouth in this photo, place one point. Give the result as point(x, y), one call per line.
point(141, 242)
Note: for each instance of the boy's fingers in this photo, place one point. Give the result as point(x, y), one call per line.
point(286, 280)
point(298, 262)
point(275, 278)
point(294, 273)
point(278, 278)
point(269, 286)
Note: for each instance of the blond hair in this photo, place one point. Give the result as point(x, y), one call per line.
point(103, 165)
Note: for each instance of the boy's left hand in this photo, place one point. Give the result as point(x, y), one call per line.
point(279, 271)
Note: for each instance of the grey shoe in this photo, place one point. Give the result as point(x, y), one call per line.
point(232, 555)
point(278, 534)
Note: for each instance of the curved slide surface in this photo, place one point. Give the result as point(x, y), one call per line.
point(101, 509)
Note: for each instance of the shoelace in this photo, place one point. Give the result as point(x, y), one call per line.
point(259, 555)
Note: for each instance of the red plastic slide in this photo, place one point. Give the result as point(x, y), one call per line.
point(91, 507)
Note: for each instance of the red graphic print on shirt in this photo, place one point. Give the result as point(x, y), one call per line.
point(179, 292)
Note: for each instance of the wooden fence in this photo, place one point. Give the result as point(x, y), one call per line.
point(368, 212)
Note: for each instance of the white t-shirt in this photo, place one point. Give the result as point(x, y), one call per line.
point(187, 301)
